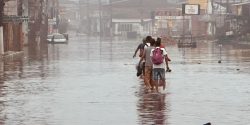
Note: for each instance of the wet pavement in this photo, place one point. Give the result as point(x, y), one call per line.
point(93, 82)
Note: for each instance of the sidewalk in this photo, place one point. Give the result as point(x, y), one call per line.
point(11, 55)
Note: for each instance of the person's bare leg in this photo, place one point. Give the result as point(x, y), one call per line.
point(152, 84)
point(147, 77)
point(156, 85)
point(164, 84)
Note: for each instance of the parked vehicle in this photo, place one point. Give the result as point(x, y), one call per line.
point(57, 38)
point(49, 38)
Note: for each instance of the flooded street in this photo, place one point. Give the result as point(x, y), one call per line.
point(93, 82)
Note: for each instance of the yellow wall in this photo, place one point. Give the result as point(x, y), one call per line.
point(203, 3)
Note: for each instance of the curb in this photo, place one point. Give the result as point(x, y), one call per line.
point(11, 55)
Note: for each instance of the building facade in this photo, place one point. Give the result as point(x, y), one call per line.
point(14, 25)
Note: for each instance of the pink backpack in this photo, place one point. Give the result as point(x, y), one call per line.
point(157, 57)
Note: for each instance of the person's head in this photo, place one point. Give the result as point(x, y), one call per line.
point(208, 123)
point(148, 38)
point(144, 40)
point(152, 42)
point(158, 42)
point(158, 39)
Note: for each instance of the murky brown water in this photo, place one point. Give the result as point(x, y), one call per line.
point(93, 82)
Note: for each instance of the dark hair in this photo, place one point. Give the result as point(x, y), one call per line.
point(144, 40)
point(158, 39)
point(158, 42)
point(152, 42)
point(148, 38)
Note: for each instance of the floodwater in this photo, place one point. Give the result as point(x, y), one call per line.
point(93, 82)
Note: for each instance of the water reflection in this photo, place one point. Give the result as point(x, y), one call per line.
point(212, 52)
point(9, 70)
point(152, 107)
point(22, 78)
point(37, 50)
point(2, 93)
point(46, 84)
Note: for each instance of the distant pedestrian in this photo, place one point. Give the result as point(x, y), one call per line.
point(160, 64)
point(141, 48)
point(163, 46)
point(148, 65)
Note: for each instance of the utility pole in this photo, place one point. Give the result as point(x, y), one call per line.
point(111, 17)
point(212, 4)
point(1, 28)
point(85, 16)
point(227, 6)
point(88, 18)
point(1, 41)
point(183, 27)
point(220, 13)
point(100, 17)
point(141, 14)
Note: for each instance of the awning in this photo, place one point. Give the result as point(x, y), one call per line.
point(15, 18)
point(130, 20)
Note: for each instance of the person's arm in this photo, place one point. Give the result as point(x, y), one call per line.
point(151, 54)
point(167, 55)
point(166, 59)
point(136, 51)
point(143, 56)
point(169, 59)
